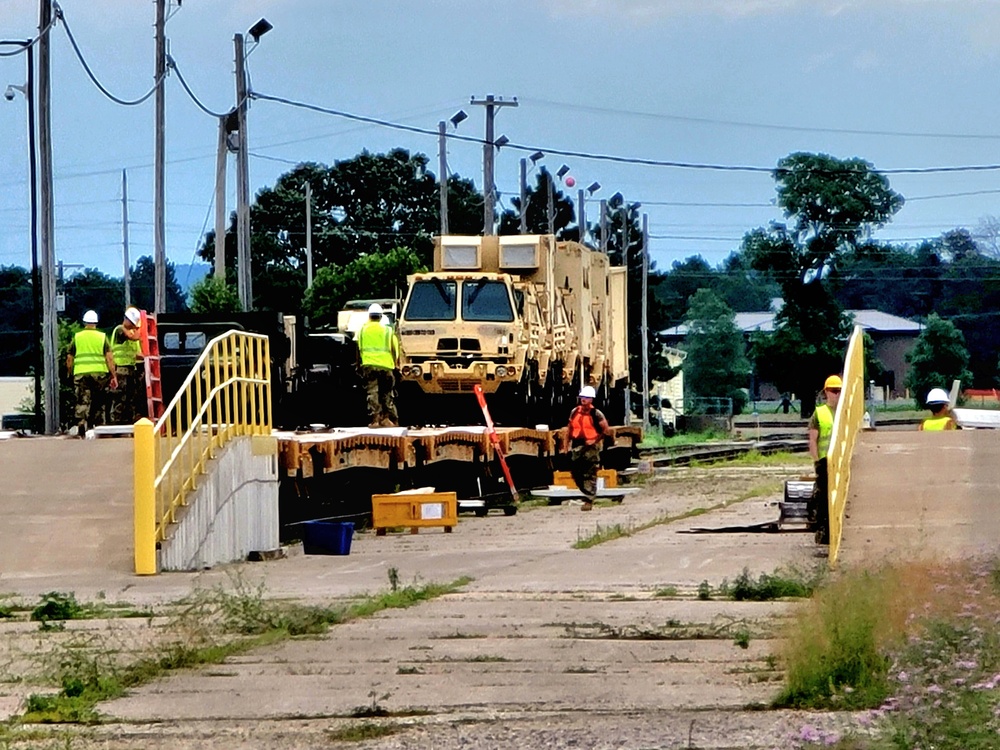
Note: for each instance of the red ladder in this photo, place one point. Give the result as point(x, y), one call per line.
point(151, 361)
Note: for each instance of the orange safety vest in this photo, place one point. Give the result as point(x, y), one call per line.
point(579, 426)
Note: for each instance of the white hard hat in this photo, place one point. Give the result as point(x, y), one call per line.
point(385, 320)
point(587, 392)
point(374, 309)
point(937, 396)
point(133, 316)
point(90, 317)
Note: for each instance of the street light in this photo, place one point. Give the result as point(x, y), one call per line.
point(28, 90)
point(501, 141)
point(458, 117)
point(259, 29)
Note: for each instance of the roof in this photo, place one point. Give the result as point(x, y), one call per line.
point(870, 320)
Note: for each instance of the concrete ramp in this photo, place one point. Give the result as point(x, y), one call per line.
point(928, 495)
point(65, 508)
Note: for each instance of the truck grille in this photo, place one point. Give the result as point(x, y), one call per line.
point(456, 386)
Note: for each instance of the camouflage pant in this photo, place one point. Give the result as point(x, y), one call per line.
point(125, 397)
point(91, 395)
point(379, 384)
point(585, 460)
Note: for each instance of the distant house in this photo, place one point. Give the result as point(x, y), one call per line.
point(892, 335)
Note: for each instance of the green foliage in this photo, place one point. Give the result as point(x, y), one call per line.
point(830, 204)
point(16, 356)
point(214, 295)
point(361, 732)
point(716, 363)
point(377, 275)
point(602, 534)
point(57, 606)
point(768, 587)
point(704, 591)
point(537, 217)
point(738, 285)
point(143, 285)
point(938, 358)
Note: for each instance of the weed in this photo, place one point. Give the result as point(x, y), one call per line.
point(768, 587)
point(704, 591)
point(361, 732)
point(603, 534)
point(742, 637)
point(408, 670)
point(373, 709)
point(485, 659)
point(56, 606)
point(667, 592)
point(581, 670)
point(393, 574)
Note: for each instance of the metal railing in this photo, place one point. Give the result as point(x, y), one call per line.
point(846, 426)
point(227, 394)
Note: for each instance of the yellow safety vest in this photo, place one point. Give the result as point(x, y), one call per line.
point(377, 345)
point(89, 356)
point(124, 353)
point(936, 424)
point(824, 415)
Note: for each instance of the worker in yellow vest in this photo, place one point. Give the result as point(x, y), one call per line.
point(940, 405)
point(820, 431)
point(93, 368)
point(127, 354)
point(378, 349)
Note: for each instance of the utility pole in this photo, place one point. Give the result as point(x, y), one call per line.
point(443, 175)
point(489, 192)
point(159, 156)
point(220, 201)
point(309, 237)
point(624, 211)
point(125, 261)
point(524, 196)
point(582, 215)
point(645, 324)
point(604, 226)
point(551, 209)
point(50, 323)
point(242, 182)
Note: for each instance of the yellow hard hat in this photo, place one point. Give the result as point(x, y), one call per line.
point(833, 381)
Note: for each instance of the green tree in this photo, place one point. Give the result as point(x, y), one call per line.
point(716, 364)
point(360, 206)
point(537, 217)
point(16, 321)
point(938, 358)
point(93, 290)
point(214, 295)
point(830, 203)
point(143, 288)
point(377, 275)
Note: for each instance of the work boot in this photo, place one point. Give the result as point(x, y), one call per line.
point(587, 505)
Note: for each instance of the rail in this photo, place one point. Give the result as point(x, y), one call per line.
point(227, 394)
point(846, 425)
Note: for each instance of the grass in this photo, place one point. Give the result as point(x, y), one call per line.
point(206, 628)
point(918, 645)
point(682, 439)
point(768, 586)
point(361, 732)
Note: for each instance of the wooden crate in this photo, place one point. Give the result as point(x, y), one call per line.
point(565, 478)
point(416, 510)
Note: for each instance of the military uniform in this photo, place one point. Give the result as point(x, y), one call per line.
point(128, 367)
point(379, 350)
point(90, 376)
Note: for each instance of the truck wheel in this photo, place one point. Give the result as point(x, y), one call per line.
point(481, 512)
point(510, 510)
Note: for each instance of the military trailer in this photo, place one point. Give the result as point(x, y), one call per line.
point(529, 318)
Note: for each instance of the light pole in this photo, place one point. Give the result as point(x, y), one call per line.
point(28, 90)
point(443, 165)
point(244, 276)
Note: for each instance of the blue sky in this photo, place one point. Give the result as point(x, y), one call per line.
point(901, 83)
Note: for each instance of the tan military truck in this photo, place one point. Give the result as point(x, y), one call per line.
point(529, 318)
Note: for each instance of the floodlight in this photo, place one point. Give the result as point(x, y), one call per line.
point(458, 117)
point(501, 141)
point(562, 171)
point(536, 157)
point(593, 188)
point(259, 29)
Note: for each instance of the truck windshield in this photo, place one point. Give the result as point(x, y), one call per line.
point(486, 300)
point(431, 300)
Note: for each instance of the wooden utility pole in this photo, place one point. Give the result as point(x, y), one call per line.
point(489, 189)
point(125, 260)
point(309, 236)
point(524, 196)
point(604, 226)
point(50, 322)
point(644, 334)
point(242, 182)
point(159, 157)
point(582, 215)
point(221, 156)
point(443, 175)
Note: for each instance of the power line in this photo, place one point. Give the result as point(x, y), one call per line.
point(639, 161)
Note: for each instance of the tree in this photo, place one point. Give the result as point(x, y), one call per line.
point(360, 206)
point(716, 364)
point(938, 358)
point(143, 288)
point(214, 295)
point(829, 203)
point(537, 218)
point(16, 321)
point(93, 290)
point(377, 275)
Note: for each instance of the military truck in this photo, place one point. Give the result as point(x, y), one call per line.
point(529, 318)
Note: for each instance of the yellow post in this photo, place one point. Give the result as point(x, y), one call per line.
point(144, 514)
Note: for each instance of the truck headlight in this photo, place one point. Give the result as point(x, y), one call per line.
point(414, 371)
point(501, 371)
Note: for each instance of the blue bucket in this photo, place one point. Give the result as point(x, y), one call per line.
point(328, 537)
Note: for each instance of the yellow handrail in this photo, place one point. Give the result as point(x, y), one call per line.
point(226, 394)
point(846, 425)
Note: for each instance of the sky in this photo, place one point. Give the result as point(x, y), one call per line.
point(903, 84)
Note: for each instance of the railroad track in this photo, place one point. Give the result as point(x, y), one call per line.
point(661, 457)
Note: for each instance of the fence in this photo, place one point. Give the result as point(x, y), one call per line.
point(846, 425)
point(227, 394)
